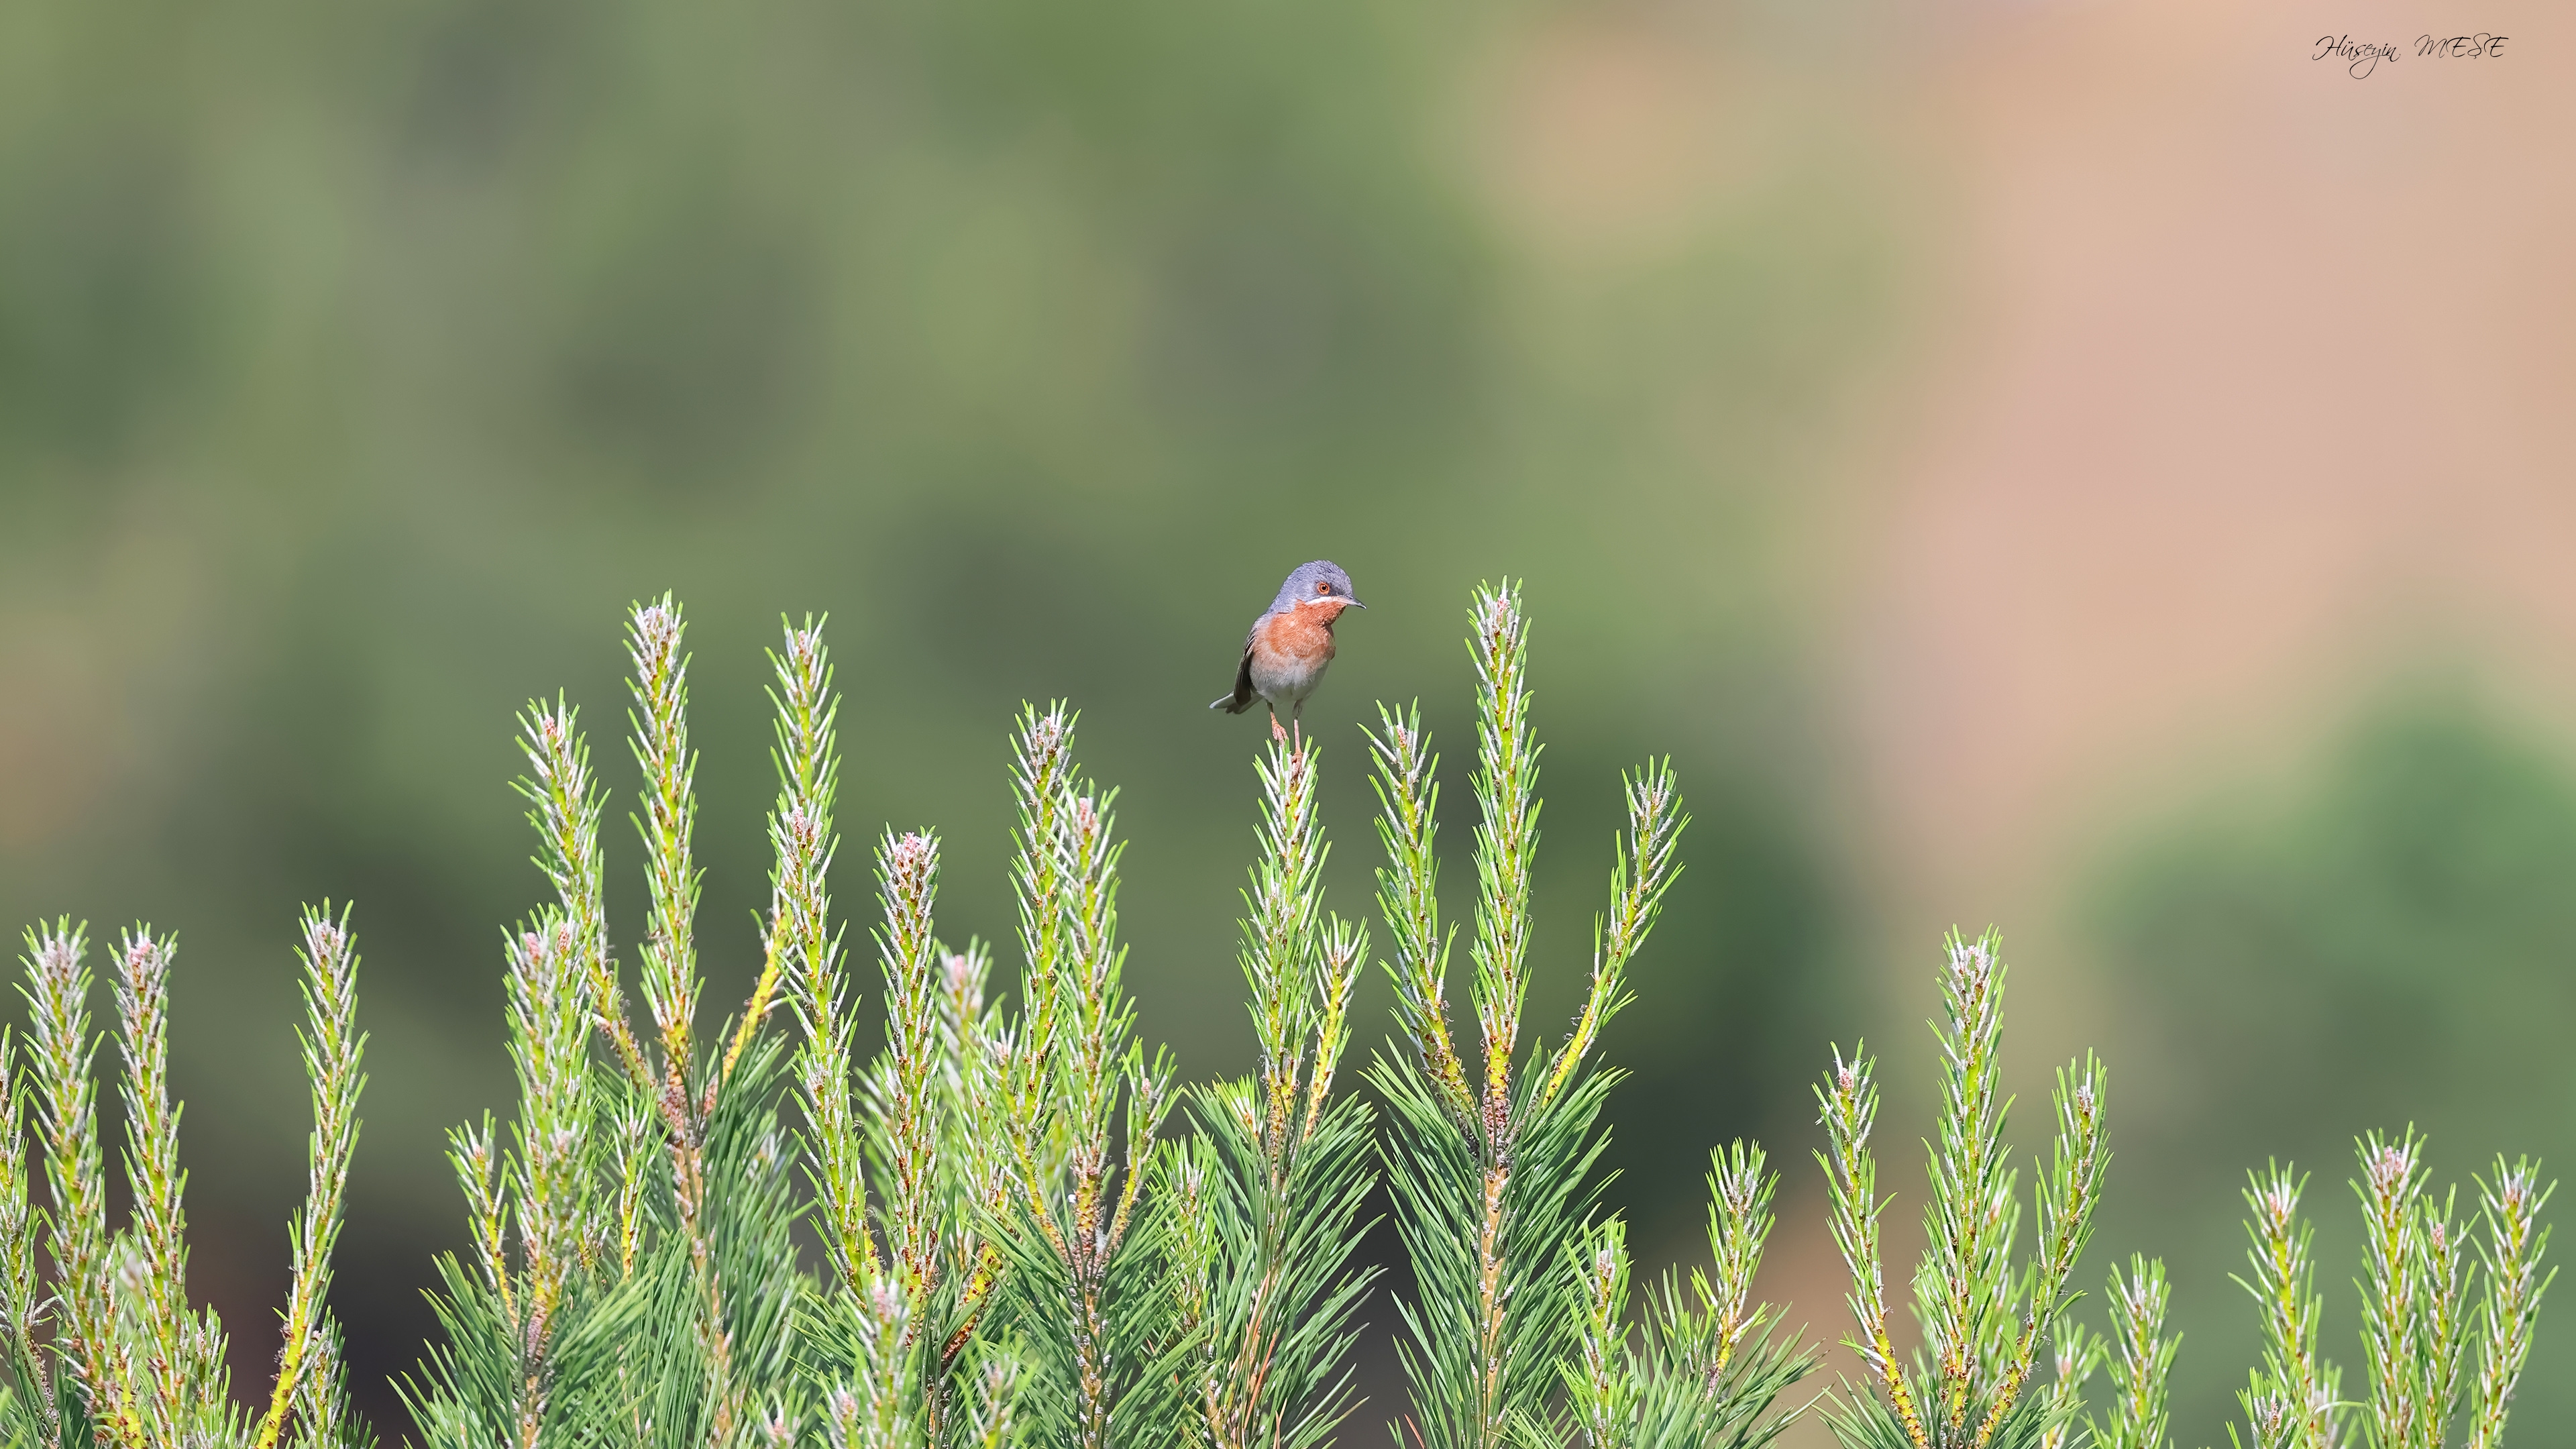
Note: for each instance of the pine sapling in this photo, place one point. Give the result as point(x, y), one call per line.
point(1492, 1177)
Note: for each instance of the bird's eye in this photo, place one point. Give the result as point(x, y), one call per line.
point(1323, 586)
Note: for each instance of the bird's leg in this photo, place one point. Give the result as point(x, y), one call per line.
point(1276, 732)
point(1297, 724)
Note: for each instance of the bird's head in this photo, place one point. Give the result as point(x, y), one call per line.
point(1319, 583)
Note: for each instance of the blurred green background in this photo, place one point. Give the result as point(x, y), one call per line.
point(358, 366)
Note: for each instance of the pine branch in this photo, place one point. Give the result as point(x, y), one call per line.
point(801, 936)
point(2068, 1195)
point(1643, 869)
point(33, 1415)
point(2511, 1257)
point(2392, 1179)
point(1984, 1318)
point(2293, 1399)
point(309, 1379)
point(1491, 1179)
point(549, 1036)
point(2144, 1359)
point(58, 983)
point(564, 807)
point(1408, 793)
point(909, 1104)
point(1268, 1206)
point(165, 1383)
point(1072, 1078)
point(1850, 1101)
point(1506, 783)
point(800, 827)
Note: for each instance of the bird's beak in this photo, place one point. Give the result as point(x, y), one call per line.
point(1354, 603)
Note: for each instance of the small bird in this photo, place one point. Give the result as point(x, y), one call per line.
point(1285, 655)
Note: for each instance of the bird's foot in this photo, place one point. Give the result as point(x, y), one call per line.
point(1278, 731)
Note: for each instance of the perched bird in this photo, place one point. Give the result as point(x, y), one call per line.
point(1290, 644)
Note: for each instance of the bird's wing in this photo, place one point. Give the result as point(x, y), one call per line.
point(1241, 699)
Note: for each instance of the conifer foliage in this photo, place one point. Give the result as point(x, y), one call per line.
point(1030, 1235)
point(110, 1353)
point(1493, 1171)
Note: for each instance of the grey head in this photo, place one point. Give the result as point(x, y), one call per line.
point(1322, 579)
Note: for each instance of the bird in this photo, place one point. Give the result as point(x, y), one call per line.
point(1285, 655)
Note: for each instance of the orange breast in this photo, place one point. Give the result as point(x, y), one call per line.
point(1303, 634)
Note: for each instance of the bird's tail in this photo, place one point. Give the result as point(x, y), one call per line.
point(1229, 703)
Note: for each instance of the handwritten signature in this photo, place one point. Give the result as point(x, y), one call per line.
point(2365, 57)
point(2362, 57)
point(2480, 46)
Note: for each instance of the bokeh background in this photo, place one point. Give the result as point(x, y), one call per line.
point(2085, 467)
